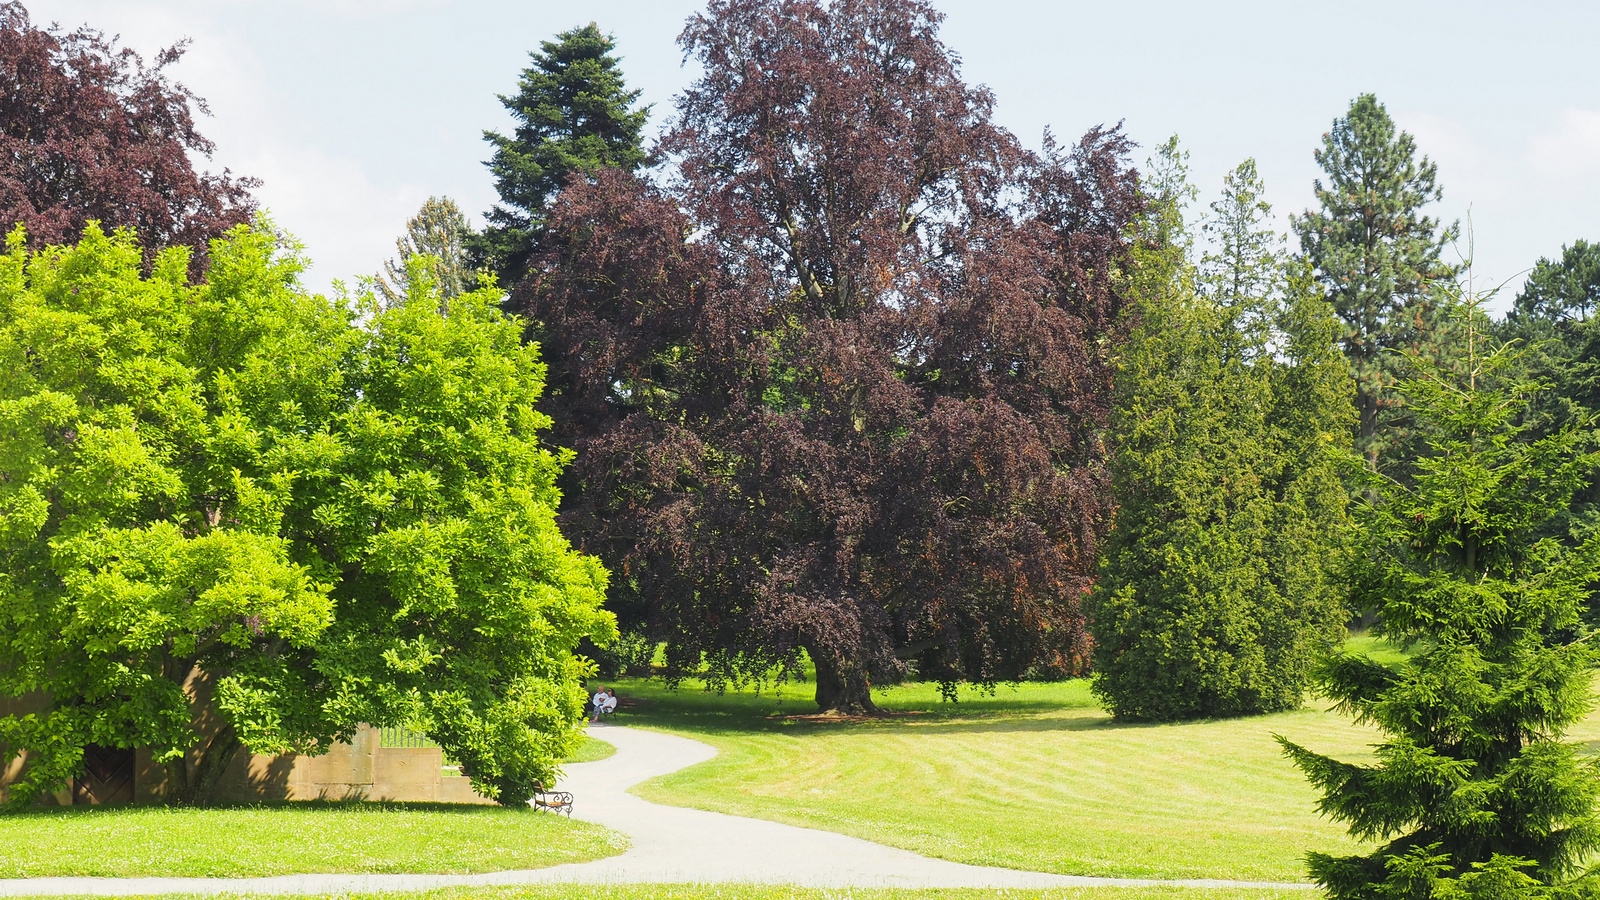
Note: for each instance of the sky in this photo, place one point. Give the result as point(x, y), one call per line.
point(353, 112)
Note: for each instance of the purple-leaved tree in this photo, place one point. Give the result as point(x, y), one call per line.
point(837, 381)
point(89, 131)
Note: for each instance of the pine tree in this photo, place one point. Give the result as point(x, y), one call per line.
point(436, 239)
point(1473, 793)
point(1562, 290)
point(1378, 260)
point(574, 113)
point(1215, 593)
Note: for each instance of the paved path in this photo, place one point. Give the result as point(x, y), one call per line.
point(670, 845)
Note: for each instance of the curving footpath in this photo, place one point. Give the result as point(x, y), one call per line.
point(670, 845)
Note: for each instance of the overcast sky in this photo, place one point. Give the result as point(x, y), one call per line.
point(353, 112)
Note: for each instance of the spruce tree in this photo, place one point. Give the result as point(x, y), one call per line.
point(1473, 792)
point(1378, 261)
point(1216, 592)
point(574, 113)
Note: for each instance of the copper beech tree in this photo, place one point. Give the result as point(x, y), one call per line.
point(837, 378)
point(89, 131)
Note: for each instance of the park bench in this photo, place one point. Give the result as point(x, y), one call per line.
point(552, 801)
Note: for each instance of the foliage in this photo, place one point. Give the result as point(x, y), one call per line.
point(239, 503)
point(839, 385)
point(89, 132)
point(1473, 783)
point(267, 840)
point(1553, 320)
point(1377, 259)
point(632, 653)
point(574, 113)
point(1564, 290)
point(436, 237)
point(1218, 586)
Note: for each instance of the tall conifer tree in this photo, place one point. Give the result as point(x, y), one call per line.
point(574, 113)
point(1553, 317)
point(1215, 593)
point(1378, 260)
point(1473, 792)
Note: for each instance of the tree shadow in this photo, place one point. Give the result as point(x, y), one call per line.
point(779, 711)
point(271, 779)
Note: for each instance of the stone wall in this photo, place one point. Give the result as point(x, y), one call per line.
point(361, 769)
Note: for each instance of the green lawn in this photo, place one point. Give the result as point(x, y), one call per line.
point(282, 839)
point(1033, 777)
point(591, 750)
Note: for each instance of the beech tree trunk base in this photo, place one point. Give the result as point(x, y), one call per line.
point(843, 688)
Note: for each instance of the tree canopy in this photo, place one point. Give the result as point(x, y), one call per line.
point(436, 240)
point(236, 500)
point(88, 131)
point(838, 385)
point(574, 113)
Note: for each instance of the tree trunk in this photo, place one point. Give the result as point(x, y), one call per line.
point(1367, 427)
point(842, 685)
point(193, 778)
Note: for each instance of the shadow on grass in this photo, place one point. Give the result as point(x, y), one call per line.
point(788, 709)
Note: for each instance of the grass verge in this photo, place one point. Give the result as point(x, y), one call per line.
point(284, 839)
point(591, 750)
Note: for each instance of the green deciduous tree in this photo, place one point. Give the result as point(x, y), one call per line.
point(1473, 792)
point(437, 238)
point(1217, 589)
point(234, 501)
point(1378, 262)
point(574, 113)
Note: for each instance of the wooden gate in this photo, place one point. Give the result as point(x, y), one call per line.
point(107, 777)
